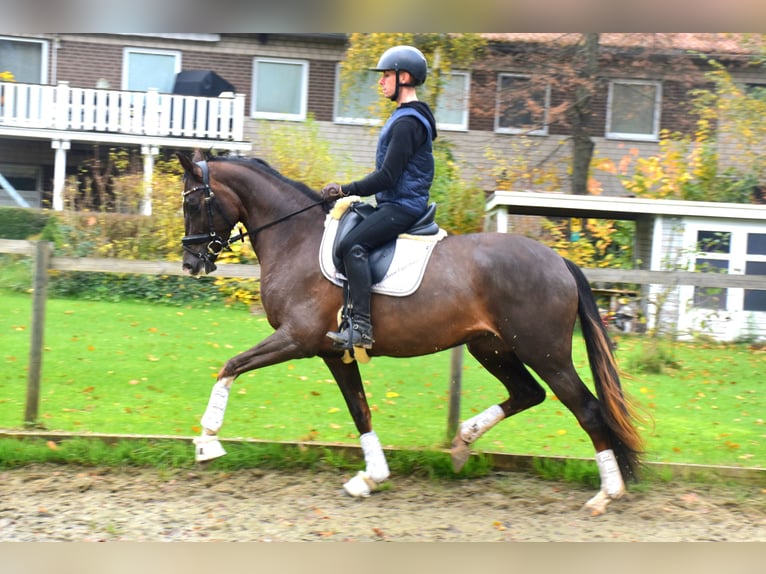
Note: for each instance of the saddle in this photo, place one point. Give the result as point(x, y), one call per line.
point(381, 257)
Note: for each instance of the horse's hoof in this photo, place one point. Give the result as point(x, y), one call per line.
point(597, 504)
point(460, 452)
point(360, 486)
point(207, 448)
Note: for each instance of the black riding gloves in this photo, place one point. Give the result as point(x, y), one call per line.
point(331, 192)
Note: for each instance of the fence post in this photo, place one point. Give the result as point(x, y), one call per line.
point(455, 388)
point(39, 289)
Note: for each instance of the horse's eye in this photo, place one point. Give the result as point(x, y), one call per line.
point(192, 203)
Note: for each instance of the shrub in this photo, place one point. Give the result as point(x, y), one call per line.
point(21, 223)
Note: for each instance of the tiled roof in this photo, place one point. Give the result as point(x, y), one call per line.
point(709, 43)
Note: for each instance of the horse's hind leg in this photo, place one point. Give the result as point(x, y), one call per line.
point(523, 392)
point(572, 392)
point(376, 471)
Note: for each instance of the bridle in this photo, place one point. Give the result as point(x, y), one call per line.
point(216, 243)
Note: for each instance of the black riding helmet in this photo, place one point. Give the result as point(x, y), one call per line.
point(404, 58)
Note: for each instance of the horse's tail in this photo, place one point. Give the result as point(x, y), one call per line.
point(615, 408)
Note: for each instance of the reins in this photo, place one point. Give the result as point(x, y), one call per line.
point(215, 243)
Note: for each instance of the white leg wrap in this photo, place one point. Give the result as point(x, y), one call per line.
point(376, 472)
point(611, 478)
point(212, 420)
point(377, 467)
point(360, 486)
point(473, 428)
point(207, 447)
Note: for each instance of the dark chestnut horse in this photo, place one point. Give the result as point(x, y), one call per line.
point(511, 300)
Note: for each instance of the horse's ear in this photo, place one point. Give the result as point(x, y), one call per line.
point(189, 166)
point(200, 155)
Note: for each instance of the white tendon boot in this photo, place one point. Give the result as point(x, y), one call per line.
point(469, 431)
point(376, 470)
point(476, 426)
point(207, 446)
point(612, 485)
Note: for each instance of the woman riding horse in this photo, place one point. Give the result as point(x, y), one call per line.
point(404, 170)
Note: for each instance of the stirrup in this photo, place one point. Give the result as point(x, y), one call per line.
point(351, 337)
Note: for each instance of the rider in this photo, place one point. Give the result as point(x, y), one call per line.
point(401, 182)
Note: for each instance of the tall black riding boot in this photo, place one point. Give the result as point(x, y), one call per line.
point(359, 333)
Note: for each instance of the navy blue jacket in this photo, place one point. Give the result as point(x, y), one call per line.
point(404, 173)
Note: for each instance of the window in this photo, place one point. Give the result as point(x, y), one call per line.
point(452, 103)
point(27, 60)
point(144, 69)
point(356, 102)
point(280, 89)
point(755, 264)
point(22, 177)
point(713, 248)
point(633, 110)
point(522, 105)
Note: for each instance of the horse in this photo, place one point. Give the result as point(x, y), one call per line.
point(512, 301)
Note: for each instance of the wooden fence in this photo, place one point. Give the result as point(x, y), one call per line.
point(41, 251)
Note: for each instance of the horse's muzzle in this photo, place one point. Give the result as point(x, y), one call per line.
point(195, 264)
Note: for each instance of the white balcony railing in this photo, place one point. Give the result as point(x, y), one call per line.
point(150, 113)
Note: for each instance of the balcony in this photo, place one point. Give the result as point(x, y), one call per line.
point(151, 120)
point(114, 116)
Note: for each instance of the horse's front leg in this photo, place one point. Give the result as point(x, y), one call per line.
point(207, 446)
point(276, 348)
point(376, 468)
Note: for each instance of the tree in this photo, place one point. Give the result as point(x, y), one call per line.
point(572, 72)
point(581, 110)
point(443, 52)
point(730, 116)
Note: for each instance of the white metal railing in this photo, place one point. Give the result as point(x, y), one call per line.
point(150, 113)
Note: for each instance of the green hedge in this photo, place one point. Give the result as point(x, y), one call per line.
point(21, 222)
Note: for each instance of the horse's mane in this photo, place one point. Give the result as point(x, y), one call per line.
point(261, 165)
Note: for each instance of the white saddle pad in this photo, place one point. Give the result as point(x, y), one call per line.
point(407, 267)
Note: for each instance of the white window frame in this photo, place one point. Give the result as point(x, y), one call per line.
point(126, 52)
point(353, 120)
point(731, 320)
point(737, 255)
point(43, 54)
point(655, 134)
point(303, 105)
point(516, 130)
point(751, 258)
point(462, 125)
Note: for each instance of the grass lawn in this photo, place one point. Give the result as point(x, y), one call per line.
point(141, 368)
